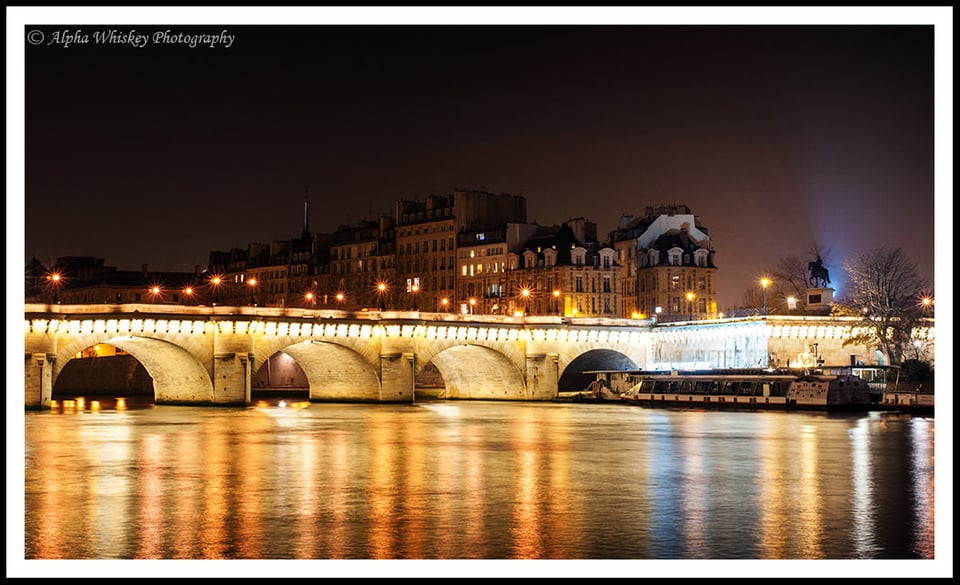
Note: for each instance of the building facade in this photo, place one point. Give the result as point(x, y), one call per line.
point(668, 258)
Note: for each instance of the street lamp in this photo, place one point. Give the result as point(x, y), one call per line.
point(791, 303)
point(252, 283)
point(445, 302)
point(556, 301)
point(187, 294)
point(216, 281)
point(340, 297)
point(414, 289)
point(525, 295)
point(56, 280)
point(155, 291)
point(690, 296)
point(381, 290)
point(764, 283)
point(309, 298)
point(473, 303)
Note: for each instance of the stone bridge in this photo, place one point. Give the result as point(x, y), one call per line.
point(210, 355)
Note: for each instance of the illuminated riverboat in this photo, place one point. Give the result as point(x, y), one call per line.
point(824, 388)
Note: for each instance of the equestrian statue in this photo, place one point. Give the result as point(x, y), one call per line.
point(818, 273)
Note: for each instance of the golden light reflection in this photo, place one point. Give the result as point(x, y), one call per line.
point(150, 538)
point(811, 512)
point(414, 503)
point(188, 507)
point(527, 508)
point(774, 502)
point(51, 482)
point(250, 463)
point(383, 496)
point(306, 498)
point(121, 403)
point(336, 528)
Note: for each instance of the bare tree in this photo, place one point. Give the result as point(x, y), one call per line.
point(885, 291)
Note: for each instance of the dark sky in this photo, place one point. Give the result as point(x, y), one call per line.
point(775, 135)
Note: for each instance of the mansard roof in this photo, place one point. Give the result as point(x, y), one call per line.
point(675, 239)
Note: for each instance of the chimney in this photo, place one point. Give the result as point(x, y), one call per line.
point(145, 269)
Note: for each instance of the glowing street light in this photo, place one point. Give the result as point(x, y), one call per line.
point(473, 303)
point(310, 298)
point(252, 283)
point(764, 283)
point(216, 281)
point(445, 302)
point(381, 290)
point(414, 289)
point(55, 279)
point(556, 301)
point(187, 294)
point(525, 295)
point(340, 297)
point(690, 296)
point(155, 292)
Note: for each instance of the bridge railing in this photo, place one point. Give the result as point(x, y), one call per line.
point(130, 310)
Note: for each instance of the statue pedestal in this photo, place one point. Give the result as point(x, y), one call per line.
point(819, 298)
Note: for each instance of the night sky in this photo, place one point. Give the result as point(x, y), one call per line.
point(776, 136)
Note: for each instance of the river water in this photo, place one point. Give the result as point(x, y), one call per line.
point(476, 480)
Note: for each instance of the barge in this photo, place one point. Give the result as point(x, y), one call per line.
point(824, 388)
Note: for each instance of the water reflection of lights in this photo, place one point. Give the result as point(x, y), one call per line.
point(921, 439)
point(862, 498)
point(449, 410)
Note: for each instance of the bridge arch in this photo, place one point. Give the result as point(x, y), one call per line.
point(336, 372)
point(178, 376)
point(477, 372)
point(571, 369)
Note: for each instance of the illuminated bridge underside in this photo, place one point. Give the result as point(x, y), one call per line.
point(207, 355)
point(477, 372)
point(336, 373)
point(177, 375)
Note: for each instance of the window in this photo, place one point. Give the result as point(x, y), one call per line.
point(675, 282)
point(606, 285)
point(579, 284)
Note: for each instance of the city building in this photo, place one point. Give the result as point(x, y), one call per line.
point(667, 265)
point(427, 232)
point(361, 267)
point(482, 256)
point(563, 271)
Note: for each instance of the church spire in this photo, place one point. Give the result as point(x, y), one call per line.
point(306, 214)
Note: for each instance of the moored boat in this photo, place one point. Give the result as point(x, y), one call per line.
point(832, 388)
